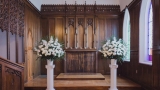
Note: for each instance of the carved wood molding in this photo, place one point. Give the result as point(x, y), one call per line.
point(71, 22)
point(90, 21)
point(5, 15)
point(12, 16)
point(1, 6)
point(80, 21)
point(80, 9)
point(21, 18)
point(12, 71)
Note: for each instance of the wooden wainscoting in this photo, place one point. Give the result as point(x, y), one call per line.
point(11, 75)
point(80, 62)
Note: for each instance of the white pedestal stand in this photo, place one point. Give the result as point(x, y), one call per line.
point(50, 78)
point(113, 75)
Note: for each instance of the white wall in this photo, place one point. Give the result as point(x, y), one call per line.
point(3, 44)
point(123, 3)
point(37, 3)
point(112, 2)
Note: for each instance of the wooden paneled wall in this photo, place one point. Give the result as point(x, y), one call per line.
point(11, 75)
point(32, 37)
point(156, 45)
point(146, 75)
point(139, 73)
point(82, 28)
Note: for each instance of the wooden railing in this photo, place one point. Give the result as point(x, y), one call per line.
point(11, 75)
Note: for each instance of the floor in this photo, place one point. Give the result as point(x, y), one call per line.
point(39, 83)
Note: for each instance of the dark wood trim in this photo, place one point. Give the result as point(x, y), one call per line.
point(130, 6)
point(11, 63)
point(31, 6)
point(133, 4)
point(96, 62)
point(17, 59)
point(8, 45)
point(80, 9)
point(82, 50)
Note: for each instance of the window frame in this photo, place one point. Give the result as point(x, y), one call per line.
point(143, 33)
point(126, 24)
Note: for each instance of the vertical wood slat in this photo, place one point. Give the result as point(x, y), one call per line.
point(81, 62)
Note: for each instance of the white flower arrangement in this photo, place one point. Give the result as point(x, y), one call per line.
point(51, 49)
point(113, 49)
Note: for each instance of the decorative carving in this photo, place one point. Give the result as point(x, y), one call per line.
point(1, 14)
point(13, 16)
point(21, 18)
point(90, 21)
point(80, 21)
point(12, 71)
point(70, 9)
point(89, 9)
point(105, 9)
point(5, 15)
point(71, 22)
point(80, 9)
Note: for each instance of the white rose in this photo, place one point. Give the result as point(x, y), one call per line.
point(40, 46)
point(46, 47)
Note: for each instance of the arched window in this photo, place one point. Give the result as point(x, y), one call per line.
point(126, 32)
point(145, 33)
point(150, 33)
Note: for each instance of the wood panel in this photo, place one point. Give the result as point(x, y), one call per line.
point(32, 37)
point(80, 37)
point(80, 62)
point(101, 32)
point(59, 28)
point(13, 75)
point(52, 26)
point(90, 37)
point(156, 44)
point(44, 27)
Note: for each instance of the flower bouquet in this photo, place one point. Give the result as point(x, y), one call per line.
point(49, 50)
point(114, 49)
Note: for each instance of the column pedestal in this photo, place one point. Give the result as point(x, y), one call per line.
point(113, 74)
point(50, 78)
